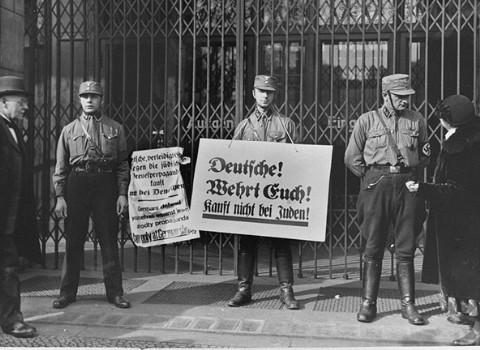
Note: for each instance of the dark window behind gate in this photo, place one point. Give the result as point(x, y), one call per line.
point(176, 71)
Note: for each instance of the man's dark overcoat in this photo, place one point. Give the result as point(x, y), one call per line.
point(17, 204)
point(452, 247)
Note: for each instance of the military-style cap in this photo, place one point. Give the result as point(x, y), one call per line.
point(265, 82)
point(90, 87)
point(11, 85)
point(398, 84)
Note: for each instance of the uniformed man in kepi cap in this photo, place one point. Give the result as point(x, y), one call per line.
point(387, 148)
point(265, 124)
point(92, 156)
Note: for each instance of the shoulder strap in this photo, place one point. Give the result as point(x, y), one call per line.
point(390, 137)
point(90, 139)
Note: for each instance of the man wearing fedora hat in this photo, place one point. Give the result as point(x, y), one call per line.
point(18, 235)
point(92, 156)
point(265, 124)
point(387, 148)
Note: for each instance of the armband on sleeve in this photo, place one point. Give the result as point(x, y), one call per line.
point(425, 149)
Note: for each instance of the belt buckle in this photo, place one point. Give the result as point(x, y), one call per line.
point(394, 169)
point(91, 168)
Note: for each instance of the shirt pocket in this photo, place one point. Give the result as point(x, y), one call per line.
point(250, 135)
point(276, 136)
point(410, 139)
point(377, 139)
point(76, 144)
point(110, 143)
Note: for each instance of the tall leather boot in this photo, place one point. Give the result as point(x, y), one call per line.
point(283, 259)
point(406, 284)
point(246, 262)
point(372, 270)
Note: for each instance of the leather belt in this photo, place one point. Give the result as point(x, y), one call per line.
point(92, 168)
point(391, 169)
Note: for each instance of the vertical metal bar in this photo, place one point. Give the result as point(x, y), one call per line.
point(151, 127)
point(194, 78)
point(286, 54)
point(362, 109)
point(190, 269)
point(427, 42)
point(220, 254)
point(177, 256)
point(110, 58)
point(332, 47)
point(222, 75)
point(96, 39)
point(72, 57)
point(476, 54)
point(137, 88)
point(210, 51)
point(395, 23)
point(410, 42)
point(180, 75)
point(205, 257)
point(442, 53)
point(239, 64)
point(347, 102)
point(165, 72)
point(163, 258)
point(459, 41)
point(257, 37)
point(317, 65)
point(272, 41)
point(47, 82)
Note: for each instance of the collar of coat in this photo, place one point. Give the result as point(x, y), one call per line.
point(465, 137)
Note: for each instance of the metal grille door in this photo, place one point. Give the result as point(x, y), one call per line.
point(176, 71)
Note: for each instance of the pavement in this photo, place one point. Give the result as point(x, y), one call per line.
point(190, 311)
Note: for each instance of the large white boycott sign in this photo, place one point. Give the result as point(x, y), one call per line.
point(262, 188)
point(158, 208)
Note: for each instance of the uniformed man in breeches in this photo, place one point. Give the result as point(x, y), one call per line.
point(265, 124)
point(387, 148)
point(92, 156)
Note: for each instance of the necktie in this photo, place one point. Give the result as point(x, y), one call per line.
point(9, 123)
point(13, 129)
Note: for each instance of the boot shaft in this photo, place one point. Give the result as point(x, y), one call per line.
point(372, 271)
point(406, 282)
point(284, 262)
point(246, 266)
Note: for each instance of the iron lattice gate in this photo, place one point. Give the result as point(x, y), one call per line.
point(184, 69)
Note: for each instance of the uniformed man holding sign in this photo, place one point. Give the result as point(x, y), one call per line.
point(265, 124)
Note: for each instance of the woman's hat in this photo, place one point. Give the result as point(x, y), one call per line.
point(10, 85)
point(456, 110)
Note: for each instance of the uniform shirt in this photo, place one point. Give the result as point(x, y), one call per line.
point(271, 127)
point(370, 145)
point(74, 149)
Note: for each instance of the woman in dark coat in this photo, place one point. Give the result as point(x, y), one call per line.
point(452, 247)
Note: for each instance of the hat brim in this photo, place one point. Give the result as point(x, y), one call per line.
point(264, 88)
point(90, 93)
point(14, 92)
point(405, 92)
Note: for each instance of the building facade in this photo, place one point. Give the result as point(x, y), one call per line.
point(176, 71)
